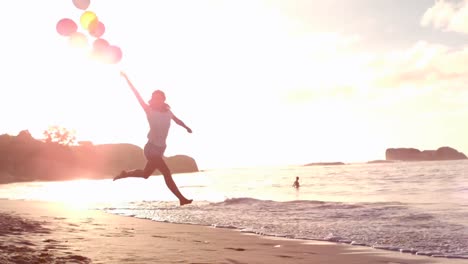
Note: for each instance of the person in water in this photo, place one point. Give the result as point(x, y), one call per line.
point(296, 183)
point(159, 118)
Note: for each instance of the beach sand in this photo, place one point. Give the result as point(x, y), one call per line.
point(44, 232)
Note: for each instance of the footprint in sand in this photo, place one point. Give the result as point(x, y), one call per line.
point(199, 241)
point(236, 249)
point(159, 236)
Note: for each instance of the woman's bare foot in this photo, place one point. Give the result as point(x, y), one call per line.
point(122, 174)
point(185, 201)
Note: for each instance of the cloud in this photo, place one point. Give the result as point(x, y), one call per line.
point(447, 16)
point(422, 68)
point(425, 80)
point(423, 65)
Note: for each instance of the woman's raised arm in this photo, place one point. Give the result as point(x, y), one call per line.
point(144, 105)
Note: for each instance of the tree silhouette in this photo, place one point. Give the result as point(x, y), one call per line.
point(59, 135)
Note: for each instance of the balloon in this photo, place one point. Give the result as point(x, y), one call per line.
point(100, 45)
point(81, 4)
point(78, 40)
point(99, 50)
point(115, 53)
point(87, 18)
point(66, 27)
point(96, 28)
point(112, 55)
point(106, 53)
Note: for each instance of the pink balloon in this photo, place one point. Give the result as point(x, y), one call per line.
point(99, 51)
point(96, 29)
point(100, 45)
point(81, 4)
point(112, 55)
point(66, 27)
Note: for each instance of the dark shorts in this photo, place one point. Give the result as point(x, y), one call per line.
point(152, 151)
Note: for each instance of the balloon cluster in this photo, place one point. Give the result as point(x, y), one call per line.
point(95, 29)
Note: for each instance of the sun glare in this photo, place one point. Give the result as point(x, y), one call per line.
point(78, 194)
point(89, 193)
point(264, 72)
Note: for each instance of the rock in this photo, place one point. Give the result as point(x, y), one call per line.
point(181, 164)
point(412, 154)
point(24, 135)
point(23, 158)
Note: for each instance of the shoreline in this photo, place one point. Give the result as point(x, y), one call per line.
point(304, 240)
point(33, 231)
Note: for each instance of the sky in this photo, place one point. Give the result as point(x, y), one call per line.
point(260, 82)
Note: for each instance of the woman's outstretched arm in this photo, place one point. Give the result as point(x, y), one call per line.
point(180, 123)
point(135, 91)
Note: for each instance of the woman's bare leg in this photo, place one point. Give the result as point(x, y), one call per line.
point(144, 173)
point(162, 167)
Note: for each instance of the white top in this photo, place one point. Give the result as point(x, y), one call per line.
point(159, 123)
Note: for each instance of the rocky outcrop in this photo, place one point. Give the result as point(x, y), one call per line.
point(23, 158)
point(181, 164)
point(412, 154)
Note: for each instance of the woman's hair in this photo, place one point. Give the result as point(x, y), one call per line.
point(158, 101)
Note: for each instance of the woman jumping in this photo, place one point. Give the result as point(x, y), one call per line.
point(159, 118)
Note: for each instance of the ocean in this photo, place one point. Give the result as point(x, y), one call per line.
point(414, 207)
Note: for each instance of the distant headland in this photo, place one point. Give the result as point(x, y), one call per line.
point(23, 158)
point(393, 155)
point(412, 154)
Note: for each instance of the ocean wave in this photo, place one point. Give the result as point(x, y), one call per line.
point(310, 204)
point(239, 201)
point(417, 217)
